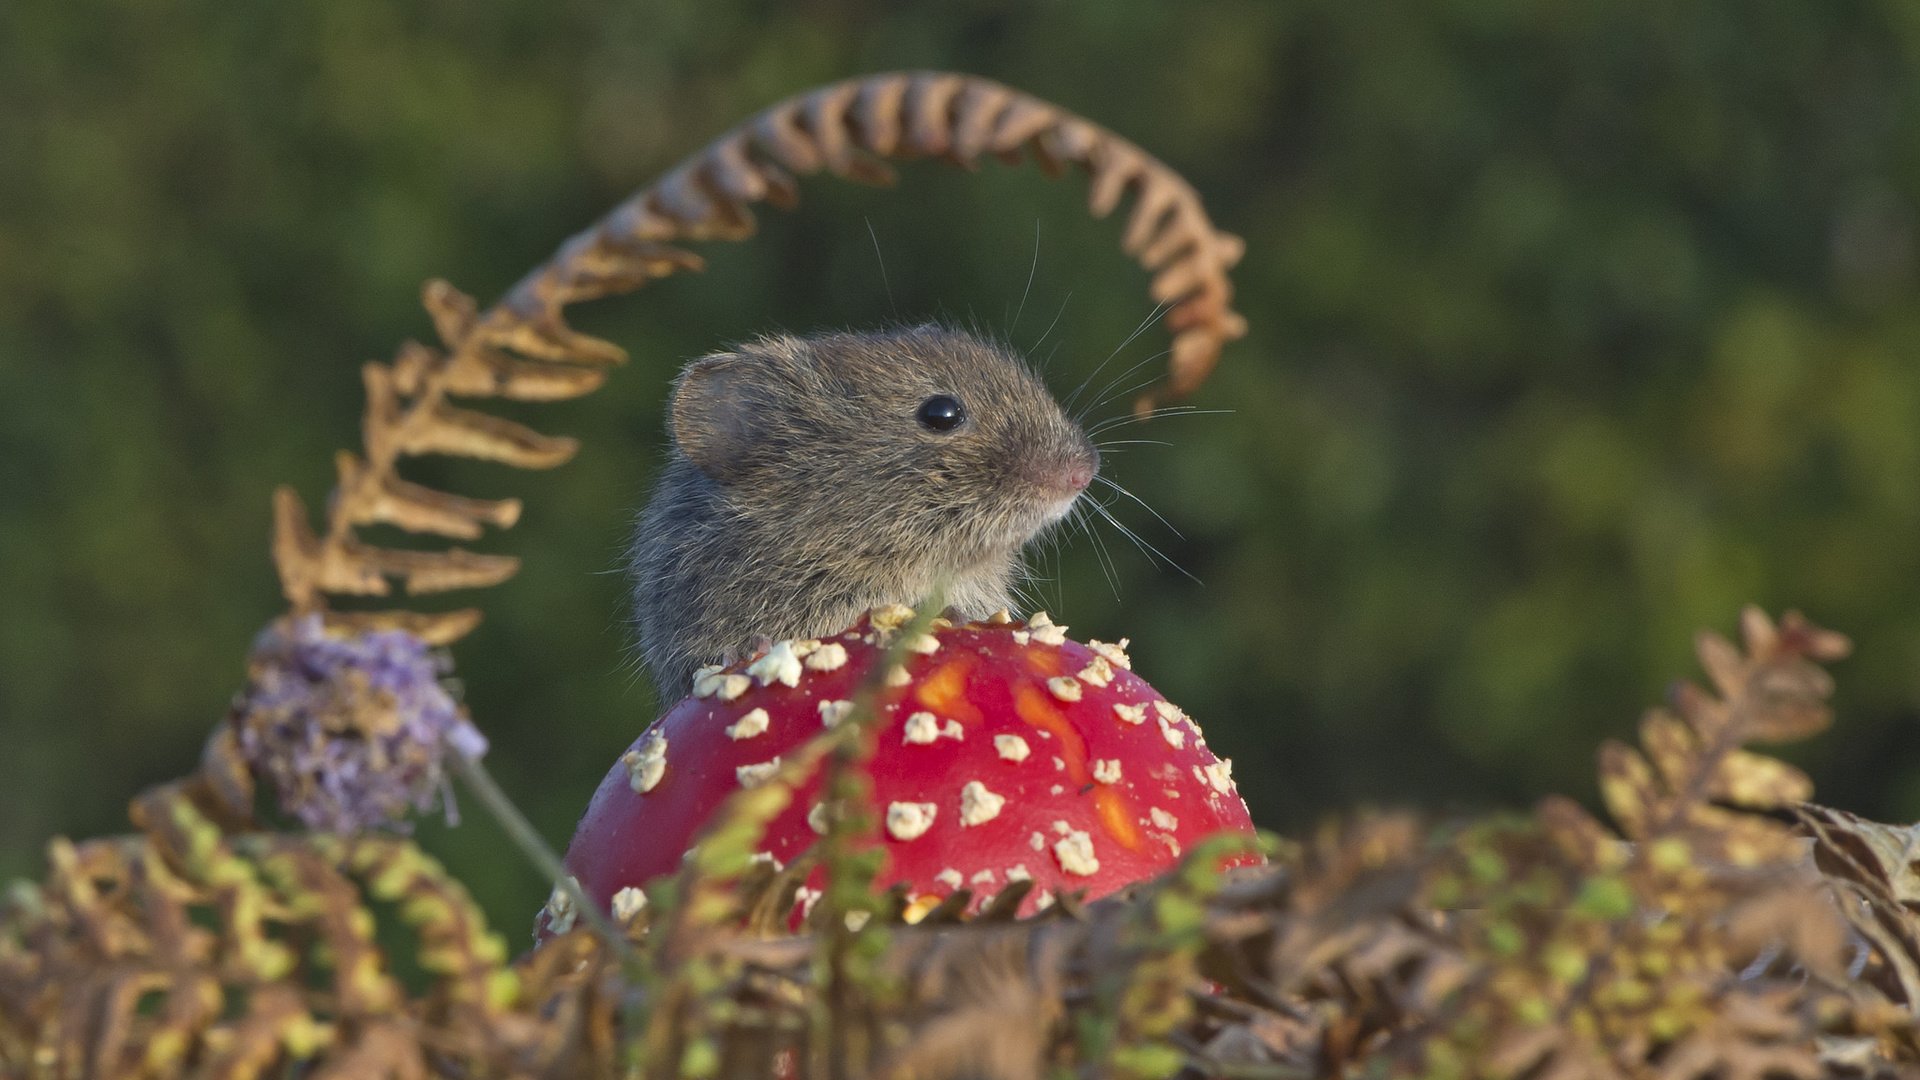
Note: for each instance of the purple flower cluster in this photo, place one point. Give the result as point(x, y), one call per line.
point(351, 729)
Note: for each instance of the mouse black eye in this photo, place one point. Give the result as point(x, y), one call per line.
point(941, 412)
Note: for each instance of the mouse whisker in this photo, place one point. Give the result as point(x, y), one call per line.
point(1043, 334)
point(1061, 540)
point(1152, 316)
point(1100, 552)
point(1168, 410)
point(1028, 291)
point(1147, 549)
point(1053, 350)
point(1117, 486)
point(882, 260)
point(1106, 393)
point(1027, 587)
point(1128, 391)
point(1031, 589)
point(1125, 418)
point(1164, 410)
point(1110, 443)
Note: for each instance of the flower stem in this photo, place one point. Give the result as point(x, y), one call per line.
point(534, 847)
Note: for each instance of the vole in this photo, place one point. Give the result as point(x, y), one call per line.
point(811, 479)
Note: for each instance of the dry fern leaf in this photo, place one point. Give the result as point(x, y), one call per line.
point(192, 952)
point(1691, 765)
point(1695, 941)
point(522, 349)
point(1875, 868)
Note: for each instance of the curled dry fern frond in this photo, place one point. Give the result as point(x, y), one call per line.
point(522, 348)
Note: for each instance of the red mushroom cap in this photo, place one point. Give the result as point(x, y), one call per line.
point(1005, 752)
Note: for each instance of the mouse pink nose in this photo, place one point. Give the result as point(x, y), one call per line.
point(1066, 475)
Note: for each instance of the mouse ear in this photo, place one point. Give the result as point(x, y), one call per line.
point(717, 413)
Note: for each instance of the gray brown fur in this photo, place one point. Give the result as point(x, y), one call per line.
point(801, 490)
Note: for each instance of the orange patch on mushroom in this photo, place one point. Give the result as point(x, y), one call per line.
point(1033, 705)
point(1047, 662)
point(944, 691)
point(1117, 816)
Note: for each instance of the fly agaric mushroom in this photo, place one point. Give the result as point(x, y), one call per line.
point(1005, 752)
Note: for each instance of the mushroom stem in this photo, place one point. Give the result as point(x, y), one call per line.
point(531, 844)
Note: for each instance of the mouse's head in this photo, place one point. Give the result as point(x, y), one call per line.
point(924, 436)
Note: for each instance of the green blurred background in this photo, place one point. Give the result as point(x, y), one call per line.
point(1574, 327)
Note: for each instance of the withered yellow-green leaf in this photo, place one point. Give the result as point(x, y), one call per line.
point(1669, 745)
point(1739, 838)
point(1607, 896)
point(1628, 788)
point(1758, 781)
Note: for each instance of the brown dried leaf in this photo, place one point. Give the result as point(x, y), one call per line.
point(992, 1003)
point(254, 1041)
point(1806, 639)
point(541, 335)
point(387, 499)
point(433, 571)
point(453, 312)
point(296, 550)
point(1885, 857)
point(491, 373)
point(1789, 703)
point(1750, 1037)
point(464, 433)
point(1876, 870)
point(1757, 632)
point(434, 628)
point(1706, 714)
point(1583, 839)
point(1799, 917)
point(1774, 691)
point(1549, 1050)
point(1725, 666)
point(384, 1048)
